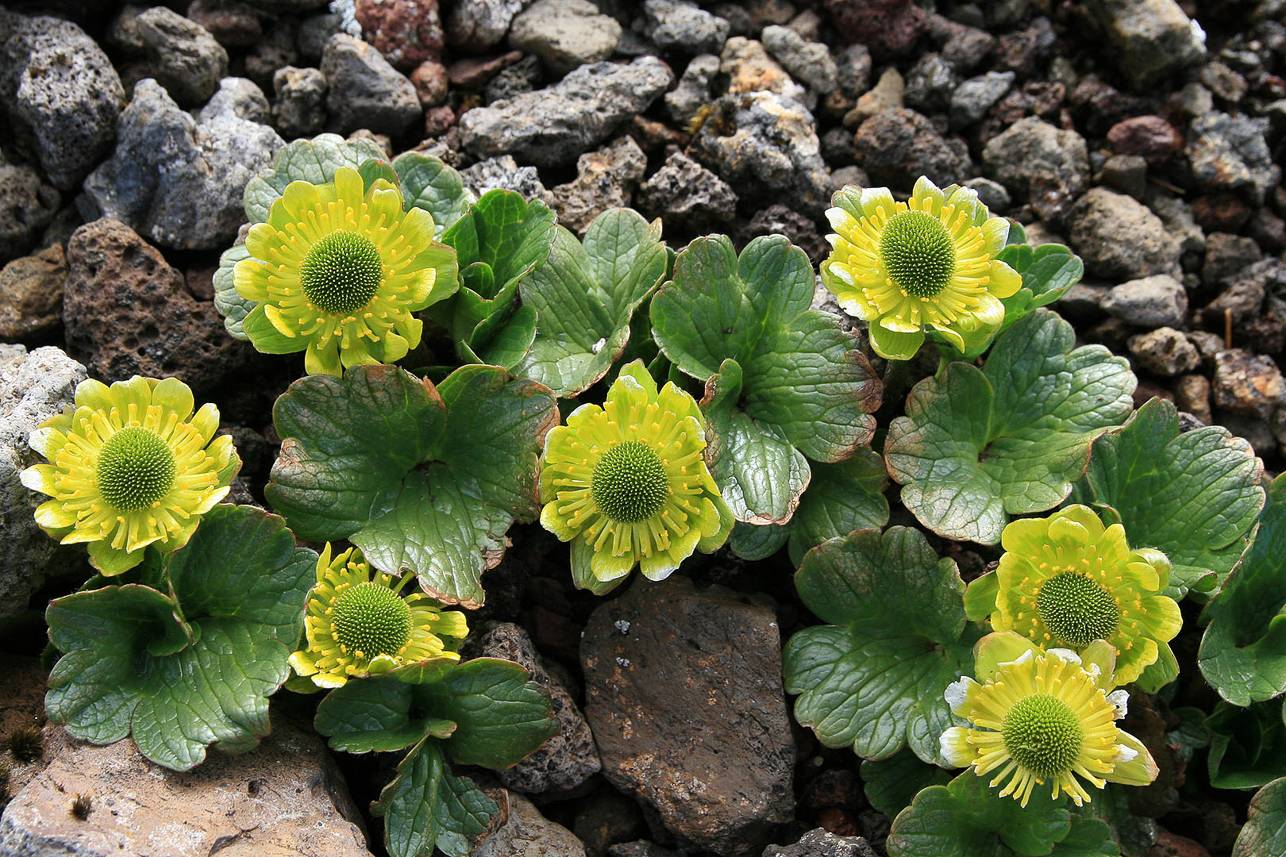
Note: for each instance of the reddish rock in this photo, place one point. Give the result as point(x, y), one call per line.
point(838, 822)
point(127, 312)
point(1172, 845)
point(1247, 384)
point(406, 32)
point(475, 72)
point(890, 28)
point(1150, 136)
point(430, 82)
point(438, 120)
point(1101, 105)
point(1220, 212)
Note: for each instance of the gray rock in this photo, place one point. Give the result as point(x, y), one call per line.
point(300, 110)
point(554, 126)
point(59, 86)
point(897, 146)
point(1039, 163)
point(284, 798)
point(853, 65)
point(687, 196)
point(1226, 256)
point(480, 24)
point(1246, 291)
point(889, 92)
point(275, 50)
point(683, 27)
point(1153, 38)
point(683, 690)
point(180, 54)
point(1165, 351)
point(1247, 384)
point(1084, 302)
point(527, 833)
point(526, 75)
point(750, 69)
point(1254, 430)
point(1118, 237)
point(1179, 222)
point(1192, 394)
point(569, 758)
point(1127, 174)
point(965, 47)
point(503, 173)
point(810, 62)
point(31, 294)
point(565, 34)
point(991, 194)
point(27, 205)
point(315, 31)
point(694, 88)
point(237, 98)
point(33, 387)
point(176, 181)
point(930, 84)
point(973, 98)
point(1157, 301)
point(605, 179)
point(1228, 153)
point(766, 144)
point(820, 842)
point(365, 91)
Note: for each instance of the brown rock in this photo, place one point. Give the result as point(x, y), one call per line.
point(1192, 394)
point(683, 690)
point(430, 82)
point(1173, 845)
point(31, 293)
point(898, 145)
point(1150, 136)
point(1247, 384)
point(750, 69)
point(474, 72)
point(285, 799)
point(1220, 212)
point(406, 32)
point(22, 706)
point(606, 180)
point(890, 28)
point(128, 312)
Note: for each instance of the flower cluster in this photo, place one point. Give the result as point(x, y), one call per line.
point(130, 466)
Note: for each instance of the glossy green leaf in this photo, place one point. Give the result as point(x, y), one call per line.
point(977, 446)
point(426, 807)
point(874, 676)
point(231, 305)
point(1265, 829)
point(1089, 837)
point(1194, 496)
point(424, 479)
point(1048, 272)
point(585, 296)
point(840, 498)
point(1247, 745)
point(967, 818)
point(802, 380)
point(891, 784)
point(191, 661)
point(1243, 652)
point(314, 161)
point(430, 184)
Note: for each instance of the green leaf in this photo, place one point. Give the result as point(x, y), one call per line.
point(1194, 495)
point(375, 169)
point(840, 498)
point(978, 446)
point(185, 670)
point(1089, 837)
point(891, 784)
point(430, 184)
point(379, 713)
point(346, 443)
point(1265, 828)
point(1247, 745)
point(759, 474)
point(967, 818)
point(1048, 272)
point(1243, 652)
point(586, 295)
point(802, 382)
point(231, 305)
point(874, 677)
point(1134, 835)
point(426, 806)
point(423, 479)
point(499, 241)
point(314, 161)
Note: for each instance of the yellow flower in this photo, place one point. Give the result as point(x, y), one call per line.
point(357, 625)
point(926, 264)
point(1066, 580)
point(130, 466)
point(627, 483)
point(338, 269)
point(1044, 717)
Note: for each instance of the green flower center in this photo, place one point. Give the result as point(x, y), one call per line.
point(630, 484)
point(1077, 610)
point(918, 253)
point(371, 619)
point(1043, 734)
point(342, 272)
point(135, 469)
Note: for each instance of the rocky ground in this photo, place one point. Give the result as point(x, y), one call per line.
point(1145, 134)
